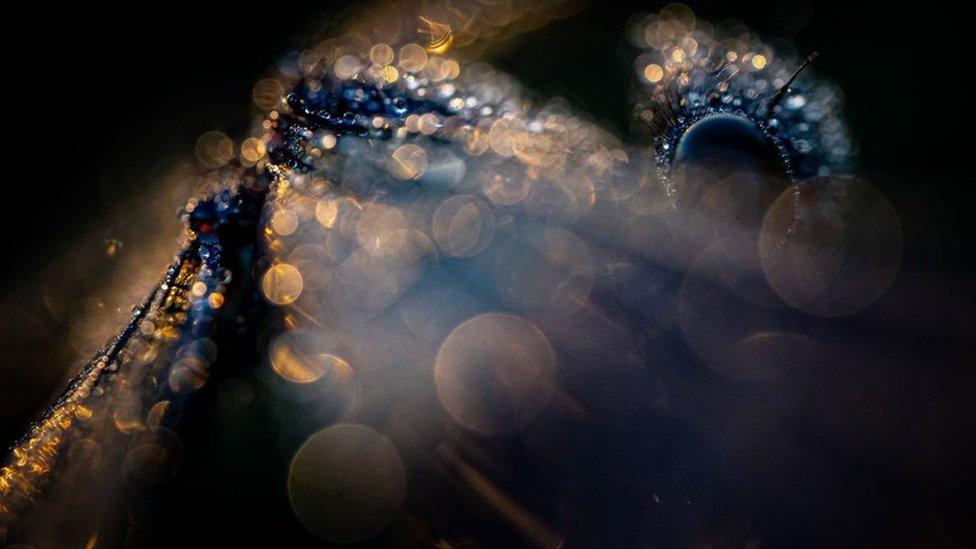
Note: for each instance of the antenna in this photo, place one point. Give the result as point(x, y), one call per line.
point(785, 88)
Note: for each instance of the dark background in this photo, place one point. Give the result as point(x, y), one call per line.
point(101, 101)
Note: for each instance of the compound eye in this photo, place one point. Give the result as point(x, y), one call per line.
point(728, 139)
point(726, 161)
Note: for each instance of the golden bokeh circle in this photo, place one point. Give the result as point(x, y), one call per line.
point(346, 483)
point(282, 284)
point(214, 149)
point(831, 247)
point(462, 226)
point(302, 356)
point(409, 162)
point(495, 372)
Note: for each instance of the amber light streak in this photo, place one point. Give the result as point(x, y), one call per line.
point(529, 525)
